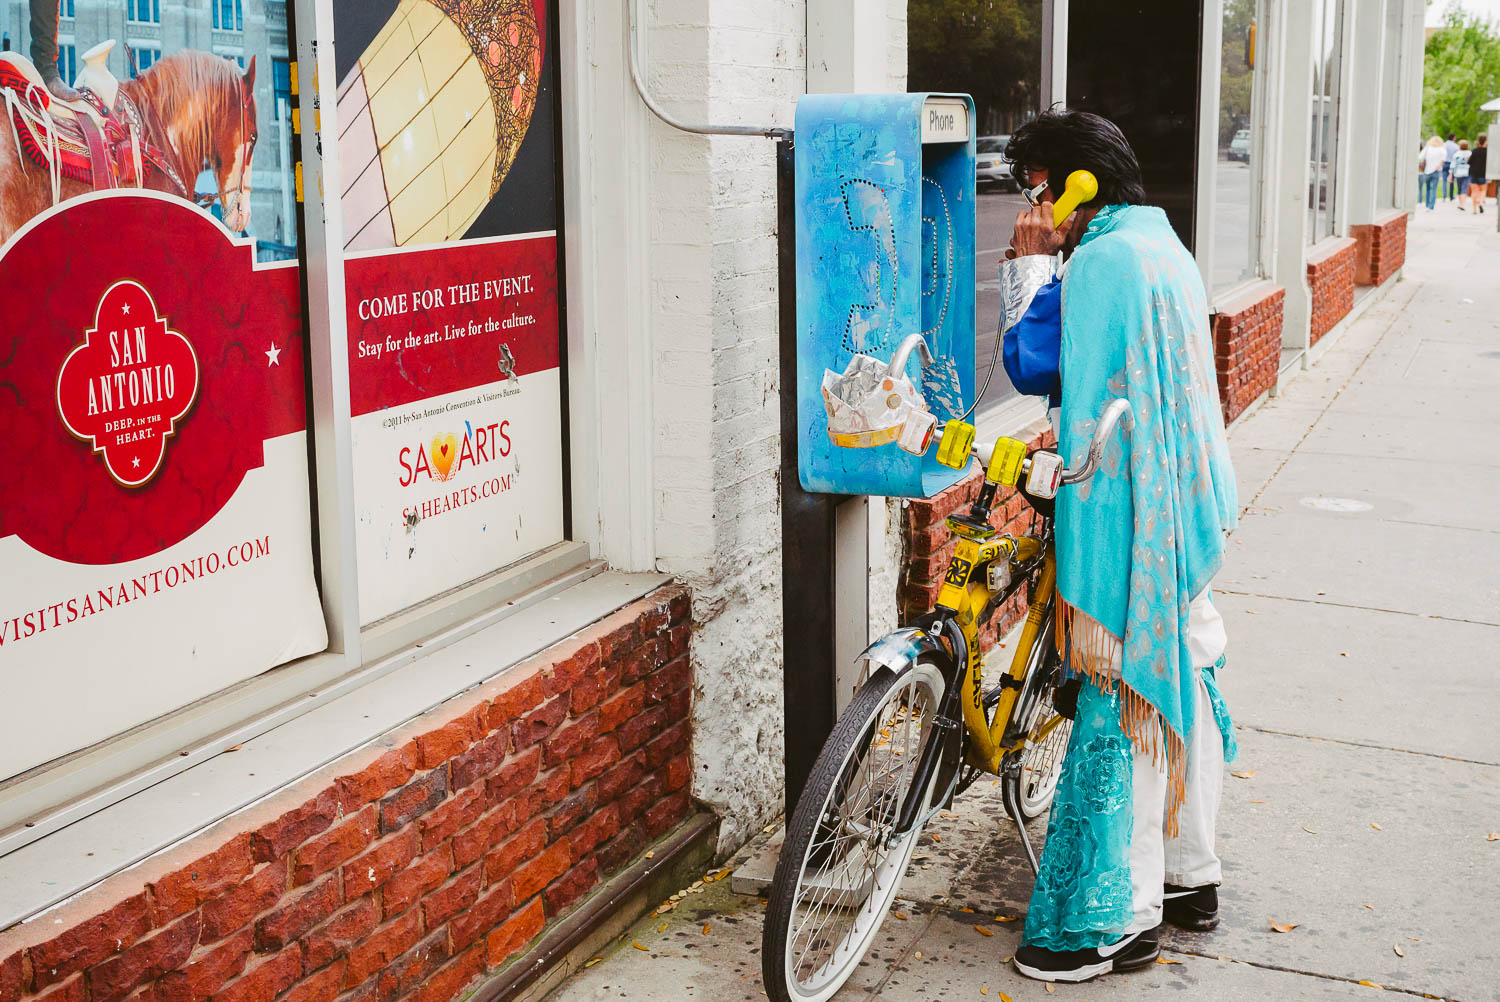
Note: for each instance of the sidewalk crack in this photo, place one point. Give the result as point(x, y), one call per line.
point(1351, 605)
point(1365, 744)
point(1309, 974)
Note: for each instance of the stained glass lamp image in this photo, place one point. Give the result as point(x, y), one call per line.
point(431, 117)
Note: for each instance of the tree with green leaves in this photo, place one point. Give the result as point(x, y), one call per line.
point(1462, 72)
point(991, 49)
point(1236, 74)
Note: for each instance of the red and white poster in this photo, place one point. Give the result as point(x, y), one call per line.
point(155, 531)
point(456, 400)
point(447, 117)
point(154, 527)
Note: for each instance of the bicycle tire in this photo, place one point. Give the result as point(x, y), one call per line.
point(1033, 770)
point(851, 749)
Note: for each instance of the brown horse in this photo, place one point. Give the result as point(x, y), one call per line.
point(196, 107)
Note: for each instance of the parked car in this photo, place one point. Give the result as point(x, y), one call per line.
point(990, 167)
point(1239, 146)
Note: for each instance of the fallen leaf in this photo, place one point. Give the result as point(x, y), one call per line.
point(1371, 907)
point(705, 928)
point(651, 853)
point(1257, 801)
point(662, 927)
point(1005, 918)
point(1414, 939)
point(234, 747)
point(985, 990)
point(1003, 997)
point(1492, 837)
point(918, 955)
point(1373, 984)
point(637, 944)
point(1399, 952)
point(1164, 960)
point(945, 814)
point(1243, 775)
point(1376, 827)
point(899, 916)
point(1283, 926)
point(1050, 988)
point(937, 838)
point(983, 931)
point(966, 909)
point(1310, 831)
point(591, 963)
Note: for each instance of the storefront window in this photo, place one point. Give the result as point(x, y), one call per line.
point(991, 49)
point(1238, 163)
point(1323, 146)
point(165, 549)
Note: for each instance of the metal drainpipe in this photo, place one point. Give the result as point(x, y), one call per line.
point(769, 131)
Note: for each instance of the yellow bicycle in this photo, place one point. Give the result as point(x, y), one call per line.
point(923, 726)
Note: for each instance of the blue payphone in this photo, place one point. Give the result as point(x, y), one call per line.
point(885, 250)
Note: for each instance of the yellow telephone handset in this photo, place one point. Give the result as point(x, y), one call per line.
point(1081, 187)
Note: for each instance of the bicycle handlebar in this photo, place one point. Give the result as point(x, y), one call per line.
point(1118, 409)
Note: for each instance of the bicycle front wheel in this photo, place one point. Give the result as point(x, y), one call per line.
point(842, 864)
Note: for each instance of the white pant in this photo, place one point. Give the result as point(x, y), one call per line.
point(1187, 860)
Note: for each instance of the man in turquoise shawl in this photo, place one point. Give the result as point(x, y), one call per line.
point(1130, 838)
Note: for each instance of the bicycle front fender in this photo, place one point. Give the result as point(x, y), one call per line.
point(900, 648)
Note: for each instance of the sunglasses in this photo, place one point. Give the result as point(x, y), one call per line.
point(1034, 195)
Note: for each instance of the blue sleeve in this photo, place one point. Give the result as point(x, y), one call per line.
point(1033, 344)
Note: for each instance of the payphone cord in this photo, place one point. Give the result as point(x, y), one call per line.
point(995, 357)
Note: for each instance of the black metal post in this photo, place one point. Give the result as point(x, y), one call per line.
point(807, 534)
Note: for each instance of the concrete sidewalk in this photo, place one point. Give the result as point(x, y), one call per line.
point(1362, 596)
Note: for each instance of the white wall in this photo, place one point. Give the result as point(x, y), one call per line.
point(673, 307)
point(713, 296)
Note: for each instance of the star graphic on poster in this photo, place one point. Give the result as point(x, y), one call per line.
point(274, 354)
point(135, 461)
point(125, 308)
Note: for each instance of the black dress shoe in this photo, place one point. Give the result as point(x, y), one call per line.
point(1127, 954)
point(1195, 909)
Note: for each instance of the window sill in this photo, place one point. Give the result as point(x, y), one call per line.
point(352, 712)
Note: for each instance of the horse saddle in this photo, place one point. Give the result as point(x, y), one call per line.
point(94, 143)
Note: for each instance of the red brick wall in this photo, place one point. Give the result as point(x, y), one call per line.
point(1380, 248)
point(929, 545)
point(411, 868)
point(1247, 346)
point(1330, 276)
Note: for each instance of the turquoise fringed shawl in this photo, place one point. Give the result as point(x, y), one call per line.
point(1145, 535)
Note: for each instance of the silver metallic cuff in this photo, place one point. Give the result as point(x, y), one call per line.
point(1020, 278)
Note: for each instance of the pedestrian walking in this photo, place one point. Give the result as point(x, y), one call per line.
point(1449, 148)
point(1431, 164)
point(1461, 171)
point(1478, 180)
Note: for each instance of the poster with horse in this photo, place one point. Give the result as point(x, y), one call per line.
point(447, 113)
point(155, 528)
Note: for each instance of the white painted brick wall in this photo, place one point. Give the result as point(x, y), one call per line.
point(716, 417)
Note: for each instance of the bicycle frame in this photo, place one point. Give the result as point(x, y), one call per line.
point(966, 596)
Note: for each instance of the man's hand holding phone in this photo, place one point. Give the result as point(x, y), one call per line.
point(1035, 233)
